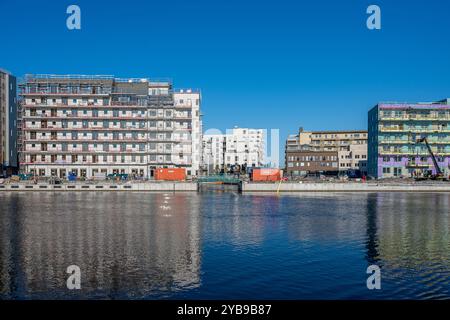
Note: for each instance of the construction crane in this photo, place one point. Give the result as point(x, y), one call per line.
point(439, 174)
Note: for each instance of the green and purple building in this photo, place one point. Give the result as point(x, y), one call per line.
point(395, 129)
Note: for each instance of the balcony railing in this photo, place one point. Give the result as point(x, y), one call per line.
point(415, 130)
point(413, 153)
point(411, 142)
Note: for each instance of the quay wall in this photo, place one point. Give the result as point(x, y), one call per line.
point(152, 187)
point(343, 187)
point(246, 187)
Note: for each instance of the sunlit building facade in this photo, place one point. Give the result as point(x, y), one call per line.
point(99, 125)
point(395, 131)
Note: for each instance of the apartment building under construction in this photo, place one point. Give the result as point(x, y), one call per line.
point(395, 133)
point(98, 125)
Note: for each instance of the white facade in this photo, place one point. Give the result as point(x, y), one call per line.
point(239, 146)
point(191, 101)
point(100, 125)
point(355, 158)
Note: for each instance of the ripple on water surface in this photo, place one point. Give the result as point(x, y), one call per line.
point(224, 245)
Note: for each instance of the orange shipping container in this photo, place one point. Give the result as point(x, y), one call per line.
point(170, 174)
point(266, 174)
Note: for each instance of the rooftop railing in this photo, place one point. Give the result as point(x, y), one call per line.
point(69, 77)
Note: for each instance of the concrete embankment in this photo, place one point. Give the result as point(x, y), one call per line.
point(343, 187)
point(150, 186)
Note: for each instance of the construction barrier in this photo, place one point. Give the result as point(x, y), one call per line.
point(266, 174)
point(170, 174)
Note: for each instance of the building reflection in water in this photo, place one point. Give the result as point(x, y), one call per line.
point(372, 234)
point(142, 245)
point(126, 245)
point(239, 220)
point(411, 243)
point(413, 229)
point(324, 218)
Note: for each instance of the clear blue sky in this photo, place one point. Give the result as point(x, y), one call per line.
point(265, 64)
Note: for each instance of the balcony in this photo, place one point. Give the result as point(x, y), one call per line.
point(90, 118)
point(80, 106)
point(414, 165)
point(79, 151)
point(413, 153)
point(183, 106)
point(387, 141)
point(51, 128)
point(417, 118)
point(414, 130)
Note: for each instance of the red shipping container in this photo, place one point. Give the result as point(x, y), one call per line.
point(266, 174)
point(170, 174)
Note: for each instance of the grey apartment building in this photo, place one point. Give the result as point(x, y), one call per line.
point(8, 123)
point(92, 126)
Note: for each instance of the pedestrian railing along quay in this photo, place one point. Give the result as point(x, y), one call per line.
point(160, 186)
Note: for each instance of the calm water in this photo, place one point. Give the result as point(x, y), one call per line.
point(224, 245)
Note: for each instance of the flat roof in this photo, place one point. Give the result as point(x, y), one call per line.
point(5, 71)
point(431, 105)
point(42, 78)
point(336, 131)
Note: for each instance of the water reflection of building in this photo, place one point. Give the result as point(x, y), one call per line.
point(413, 230)
point(326, 218)
point(237, 219)
point(126, 245)
point(372, 232)
point(397, 229)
